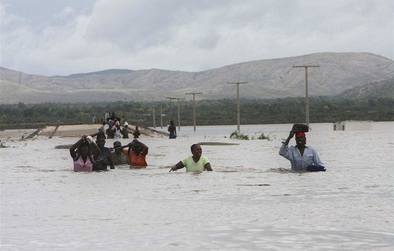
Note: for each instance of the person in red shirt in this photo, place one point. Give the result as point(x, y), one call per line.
point(137, 154)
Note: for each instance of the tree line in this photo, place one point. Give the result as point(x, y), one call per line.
point(209, 112)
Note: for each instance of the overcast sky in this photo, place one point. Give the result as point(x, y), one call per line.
point(53, 37)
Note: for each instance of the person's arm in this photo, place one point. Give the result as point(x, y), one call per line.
point(129, 146)
point(145, 149)
point(75, 146)
point(125, 146)
point(316, 159)
point(284, 149)
point(291, 135)
point(95, 134)
point(207, 167)
point(179, 165)
point(95, 150)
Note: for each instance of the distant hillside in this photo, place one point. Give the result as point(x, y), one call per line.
point(273, 78)
point(380, 89)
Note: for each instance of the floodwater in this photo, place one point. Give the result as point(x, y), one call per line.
point(249, 202)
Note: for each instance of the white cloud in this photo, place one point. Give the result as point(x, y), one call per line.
point(192, 35)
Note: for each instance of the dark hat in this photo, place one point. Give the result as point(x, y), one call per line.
point(300, 128)
point(117, 144)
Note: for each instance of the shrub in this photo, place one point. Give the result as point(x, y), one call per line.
point(238, 135)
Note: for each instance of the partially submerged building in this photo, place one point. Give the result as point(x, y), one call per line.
point(352, 125)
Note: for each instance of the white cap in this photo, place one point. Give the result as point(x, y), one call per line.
point(89, 139)
point(126, 124)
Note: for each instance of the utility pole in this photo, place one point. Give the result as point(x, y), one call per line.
point(194, 107)
point(179, 110)
point(238, 104)
point(306, 90)
point(161, 116)
point(154, 117)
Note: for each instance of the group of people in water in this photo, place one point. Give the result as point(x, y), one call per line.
point(112, 128)
point(89, 155)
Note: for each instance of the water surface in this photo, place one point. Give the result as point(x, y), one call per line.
point(251, 201)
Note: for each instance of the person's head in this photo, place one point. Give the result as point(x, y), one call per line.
point(136, 146)
point(83, 150)
point(136, 134)
point(171, 122)
point(196, 150)
point(300, 139)
point(118, 147)
point(126, 124)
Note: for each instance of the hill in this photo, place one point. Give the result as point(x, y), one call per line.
point(273, 78)
point(379, 89)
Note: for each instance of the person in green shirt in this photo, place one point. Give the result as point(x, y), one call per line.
point(194, 163)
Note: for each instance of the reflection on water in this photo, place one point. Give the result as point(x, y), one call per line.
point(272, 238)
point(250, 201)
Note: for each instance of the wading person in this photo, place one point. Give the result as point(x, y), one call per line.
point(125, 130)
point(137, 154)
point(194, 163)
point(172, 130)
point(301, 157)
point(136, 133)
point(119, 155)
point(117, 130)
point(110, 130)
point(103, 159)
point(82, 154)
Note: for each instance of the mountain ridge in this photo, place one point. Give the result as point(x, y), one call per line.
point(269, 78)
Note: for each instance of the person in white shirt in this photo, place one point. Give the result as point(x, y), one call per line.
point(301, 157)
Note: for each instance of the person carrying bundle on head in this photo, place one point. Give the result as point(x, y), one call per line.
point(301, 157)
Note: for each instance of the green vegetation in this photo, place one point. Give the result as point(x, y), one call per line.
point(263, 137)
point(241, 136)
point(209, 112)
point(238, 135)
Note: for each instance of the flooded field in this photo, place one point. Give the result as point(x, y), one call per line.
point(249, 202)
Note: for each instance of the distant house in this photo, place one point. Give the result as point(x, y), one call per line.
point(352, 125)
